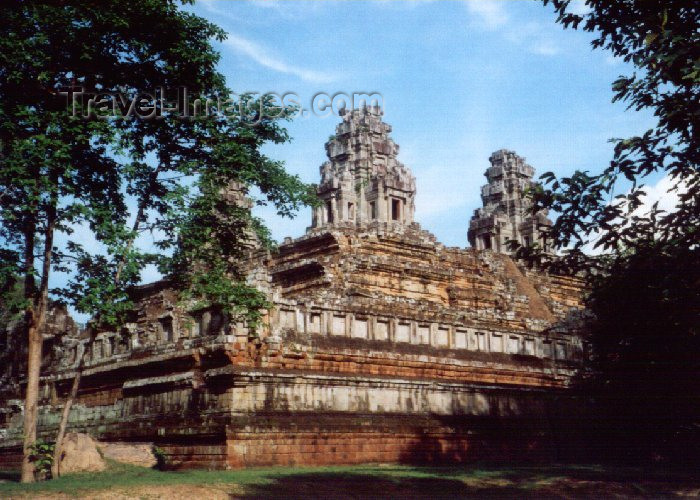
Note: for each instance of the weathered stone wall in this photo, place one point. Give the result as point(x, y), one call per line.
point(382, 345)
point(403, 287)
point(266, 403)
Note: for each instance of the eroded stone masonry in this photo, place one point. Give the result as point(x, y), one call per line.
point(383, 344)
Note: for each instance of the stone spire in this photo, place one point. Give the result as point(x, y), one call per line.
point(505, 213)
point(235, 194)
point(362, 182)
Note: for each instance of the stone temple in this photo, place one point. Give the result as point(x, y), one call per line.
point(504, 215)
point(383, 345)
point(362, 182)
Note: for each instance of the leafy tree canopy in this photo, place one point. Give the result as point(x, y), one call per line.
point(645, 284)
point(119, 175)
point(104, 173)
point(661, 40)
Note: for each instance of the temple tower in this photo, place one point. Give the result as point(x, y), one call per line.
point(362, 182)
point(504, 215)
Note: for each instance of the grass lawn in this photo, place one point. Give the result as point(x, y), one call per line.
point(363, 481)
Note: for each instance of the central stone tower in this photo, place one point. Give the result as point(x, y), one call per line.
point(363, 182)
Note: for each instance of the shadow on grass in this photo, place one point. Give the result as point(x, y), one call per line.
point(334, 485)
point(536, 482)
point(382, 481)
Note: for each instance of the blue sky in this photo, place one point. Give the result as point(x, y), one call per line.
point(460, 79)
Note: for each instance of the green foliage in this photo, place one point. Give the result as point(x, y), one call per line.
point(13, 302)
point(107, 179)
point(94, 290)
point(660, 39)
point(214, 231)
point(644, 287)
point(646, 338)
point(161, 457)
point(42, 456)
point(115, 179)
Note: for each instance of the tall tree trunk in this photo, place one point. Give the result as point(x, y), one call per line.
point(31, 398)
point(36, 319)
point(92, 329)
point(31, 395)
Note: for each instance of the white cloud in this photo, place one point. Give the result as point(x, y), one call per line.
point(579, 7)
point(263, 57)
point(211, 6)
point(255, 51)
point(662, 193)
point(490, 13)
point(289, 10)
